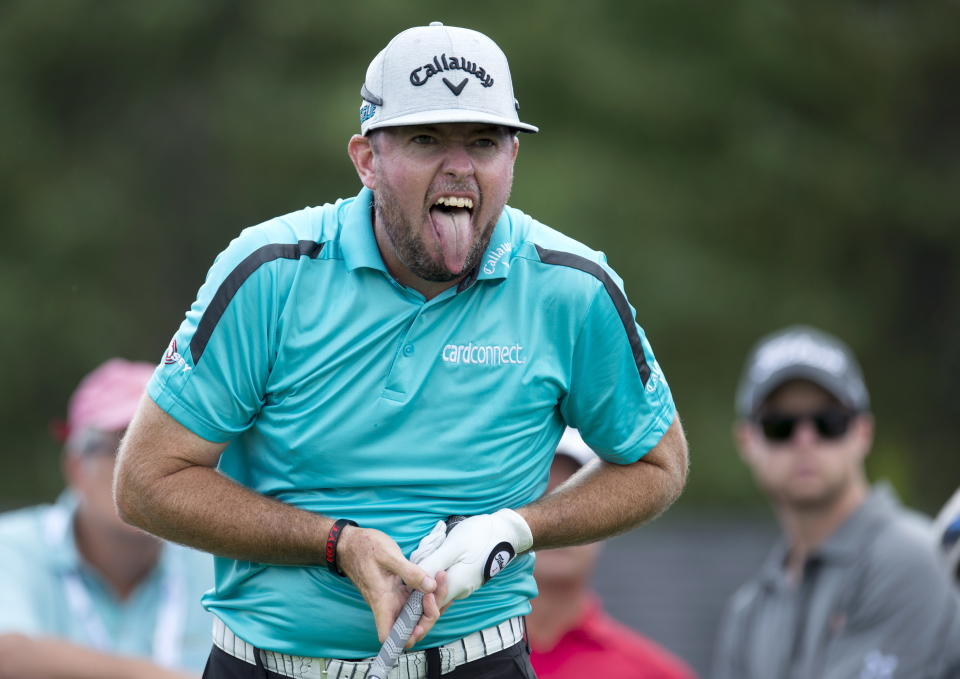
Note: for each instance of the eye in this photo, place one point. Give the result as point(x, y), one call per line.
point(424, 139)
point(485, 143)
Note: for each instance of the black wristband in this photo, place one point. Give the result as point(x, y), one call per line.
point(333, 537)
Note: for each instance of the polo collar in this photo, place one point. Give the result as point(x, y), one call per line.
point(359, 244)
point(589, 626)
point(496, 260)
point(771, 572)
point(58, 532)
point(357, 240)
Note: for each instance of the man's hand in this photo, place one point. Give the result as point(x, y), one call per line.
point(375, 564)
point(476, 549)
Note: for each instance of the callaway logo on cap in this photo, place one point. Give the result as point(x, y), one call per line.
point(439, 74)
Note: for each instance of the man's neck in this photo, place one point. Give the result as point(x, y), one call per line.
point(806, 528)
point(124, 561)
point(429, 289)
point(557, 610)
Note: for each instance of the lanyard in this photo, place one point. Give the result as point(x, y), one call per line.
point(168, 630)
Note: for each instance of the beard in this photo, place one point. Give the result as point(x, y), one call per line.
point(410, 246)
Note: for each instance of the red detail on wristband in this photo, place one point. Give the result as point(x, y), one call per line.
point(333, 537)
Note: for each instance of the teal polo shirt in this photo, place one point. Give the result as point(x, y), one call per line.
point(344, 393)
point(48, 590)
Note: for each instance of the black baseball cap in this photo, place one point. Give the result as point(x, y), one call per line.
point(801, 352)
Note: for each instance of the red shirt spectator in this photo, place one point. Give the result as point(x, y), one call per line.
point(599, 646)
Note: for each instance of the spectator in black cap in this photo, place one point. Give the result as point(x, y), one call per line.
point(854, 588)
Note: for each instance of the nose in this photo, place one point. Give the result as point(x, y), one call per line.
point(805, 433)
point(457, 162)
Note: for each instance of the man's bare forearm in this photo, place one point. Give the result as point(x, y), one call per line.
point(201, 508)
point(608, 499)
point(24, 657)
point(181, 497)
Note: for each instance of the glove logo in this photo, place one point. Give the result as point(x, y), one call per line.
point(499, 557)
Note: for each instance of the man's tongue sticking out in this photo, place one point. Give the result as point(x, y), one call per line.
point(452, 227)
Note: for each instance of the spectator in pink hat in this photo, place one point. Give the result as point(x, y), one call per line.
point(83, 594)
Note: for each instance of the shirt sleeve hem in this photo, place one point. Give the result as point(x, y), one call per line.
point(175, 408)
point(650, 438)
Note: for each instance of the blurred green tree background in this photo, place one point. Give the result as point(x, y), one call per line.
point(744, 165)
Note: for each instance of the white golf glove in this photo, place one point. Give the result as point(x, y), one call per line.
point(430, 543)
point(476, 549)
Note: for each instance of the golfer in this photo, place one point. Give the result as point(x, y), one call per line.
point(351, 375)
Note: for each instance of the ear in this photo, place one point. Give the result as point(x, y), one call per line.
point(516, 146)
point(745, 439)
point(863, 431)
point(360, 151)
point(71, 464)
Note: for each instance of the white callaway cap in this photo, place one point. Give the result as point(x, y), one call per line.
point(439, 74)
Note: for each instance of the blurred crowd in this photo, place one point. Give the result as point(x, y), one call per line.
point(857, 585)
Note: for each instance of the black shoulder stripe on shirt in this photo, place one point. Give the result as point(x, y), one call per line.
point(616, 296)
point(228, 288)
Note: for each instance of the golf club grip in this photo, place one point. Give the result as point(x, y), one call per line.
point(402, 627)
point(397, 639)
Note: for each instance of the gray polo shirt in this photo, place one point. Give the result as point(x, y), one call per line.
point(873, 604)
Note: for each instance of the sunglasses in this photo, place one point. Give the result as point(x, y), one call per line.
point(830, 424)
point(93, 442)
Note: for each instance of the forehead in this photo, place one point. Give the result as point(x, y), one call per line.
point(798, 395)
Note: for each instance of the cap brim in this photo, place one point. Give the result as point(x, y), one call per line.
point(451, 116)
point(828, 382)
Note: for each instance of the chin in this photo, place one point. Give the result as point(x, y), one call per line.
point(568, 564)
point(134, 536)
point(811, 495)
point(437, 276)
point(806, 502)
